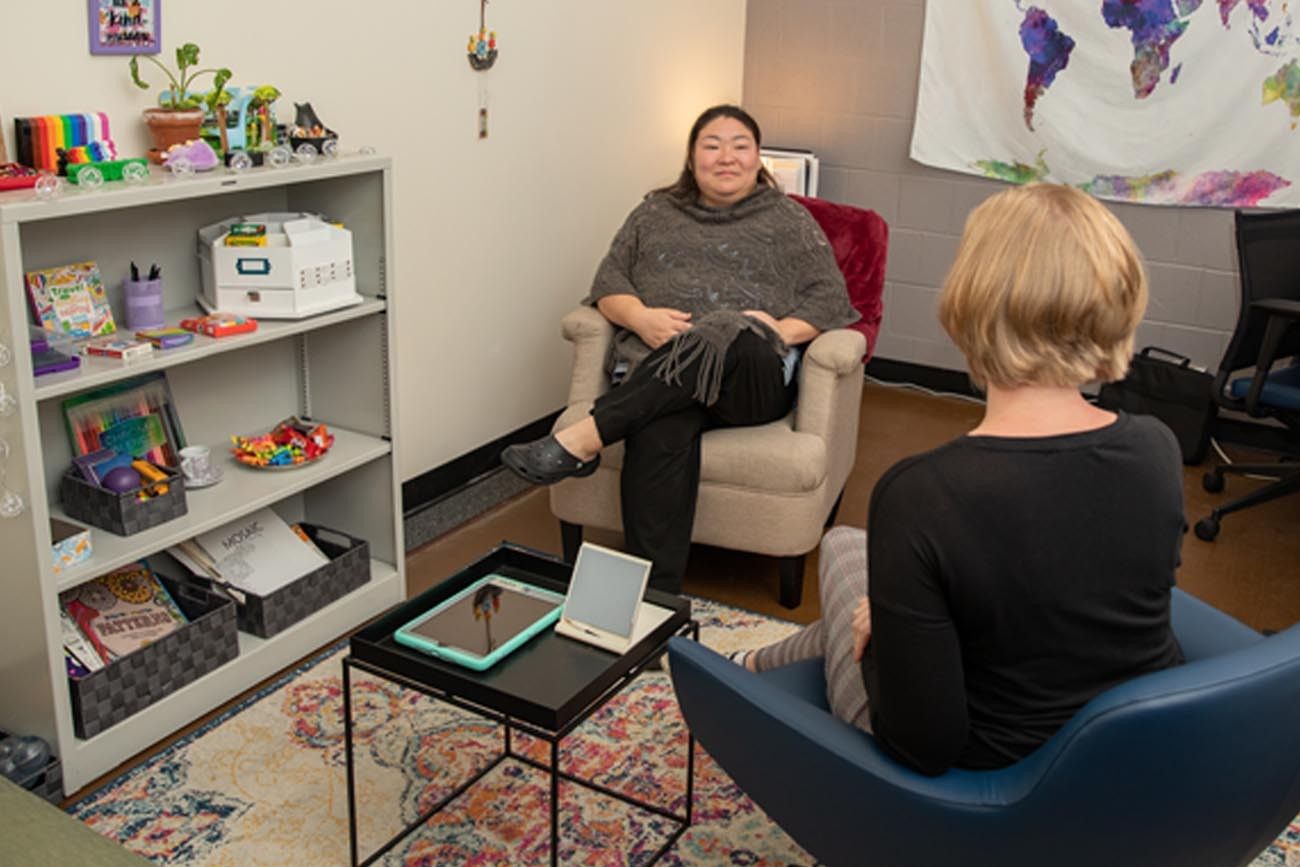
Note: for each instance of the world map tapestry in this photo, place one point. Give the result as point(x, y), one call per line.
point(1171, 102)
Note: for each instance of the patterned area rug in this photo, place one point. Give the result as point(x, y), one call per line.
point(265, 783)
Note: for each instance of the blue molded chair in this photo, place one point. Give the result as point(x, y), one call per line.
point(1195, 766)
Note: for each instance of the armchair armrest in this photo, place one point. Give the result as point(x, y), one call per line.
point(591, 335)
point(829, 360)
point(830, 396)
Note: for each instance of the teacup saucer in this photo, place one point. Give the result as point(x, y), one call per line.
point(214, 475)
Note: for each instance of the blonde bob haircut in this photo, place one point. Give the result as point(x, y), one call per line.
point(1048, 288)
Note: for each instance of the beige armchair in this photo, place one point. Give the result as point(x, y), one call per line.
point(769, 489)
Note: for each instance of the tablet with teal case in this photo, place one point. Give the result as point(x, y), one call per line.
point(484, 623)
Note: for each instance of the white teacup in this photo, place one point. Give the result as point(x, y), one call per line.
point(196, 463)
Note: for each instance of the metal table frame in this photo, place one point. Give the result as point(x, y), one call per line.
point(691, 628)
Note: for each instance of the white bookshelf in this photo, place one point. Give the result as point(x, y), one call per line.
point(335, 368)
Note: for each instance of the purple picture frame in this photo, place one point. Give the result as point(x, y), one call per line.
point(124, 26)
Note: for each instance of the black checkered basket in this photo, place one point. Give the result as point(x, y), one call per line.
point(128, 685)
point(348, 569)
point(123, 514)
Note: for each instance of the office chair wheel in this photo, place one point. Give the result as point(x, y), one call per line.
point(1207, 529)
point(1212, 482)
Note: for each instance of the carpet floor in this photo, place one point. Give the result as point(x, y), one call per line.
point(265, 783)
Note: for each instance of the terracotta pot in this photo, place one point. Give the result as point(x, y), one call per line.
point(171, 127)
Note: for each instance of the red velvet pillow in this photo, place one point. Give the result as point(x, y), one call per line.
point(860, 240)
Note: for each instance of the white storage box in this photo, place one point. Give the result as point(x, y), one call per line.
point(305, 268)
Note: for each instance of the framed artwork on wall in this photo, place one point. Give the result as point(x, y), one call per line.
point(125, 26)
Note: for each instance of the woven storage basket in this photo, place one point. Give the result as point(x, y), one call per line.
point(137, 680)
point(348, 569)
point(123, 514)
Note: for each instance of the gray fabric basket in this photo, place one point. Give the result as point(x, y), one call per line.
point(348, 569)
point(125, 686)
point(122, 514)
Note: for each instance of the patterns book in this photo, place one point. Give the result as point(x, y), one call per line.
point(123, 610)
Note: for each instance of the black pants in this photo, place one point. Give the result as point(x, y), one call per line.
point(661, 425)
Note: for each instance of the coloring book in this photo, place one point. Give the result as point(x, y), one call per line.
point(70, 300)
point(123, 610)
point(259, 553)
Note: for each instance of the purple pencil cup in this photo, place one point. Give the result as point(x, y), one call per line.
point(144, 304)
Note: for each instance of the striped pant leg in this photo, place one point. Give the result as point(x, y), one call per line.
point(842, 581)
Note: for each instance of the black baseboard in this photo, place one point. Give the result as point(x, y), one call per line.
point(933, 378)
point(428, 488)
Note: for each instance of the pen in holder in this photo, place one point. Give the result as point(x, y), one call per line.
point(144, 304)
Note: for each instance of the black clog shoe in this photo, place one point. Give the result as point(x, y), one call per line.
point(545, 461)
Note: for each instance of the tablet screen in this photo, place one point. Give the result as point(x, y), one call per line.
point(605, 590)
point(503, 613)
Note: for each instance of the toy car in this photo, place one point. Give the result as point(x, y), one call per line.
point(94, 174)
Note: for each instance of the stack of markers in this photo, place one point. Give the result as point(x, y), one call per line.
point(292, 442)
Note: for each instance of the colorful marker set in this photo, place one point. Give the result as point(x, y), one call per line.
point(38, 140)
point(136, 417)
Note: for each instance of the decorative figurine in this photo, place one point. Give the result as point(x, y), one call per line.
point(310, 129)
point(482, 47)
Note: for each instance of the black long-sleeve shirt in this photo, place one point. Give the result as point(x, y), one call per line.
point(1013, 579)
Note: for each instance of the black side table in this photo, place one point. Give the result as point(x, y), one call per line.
point(545, 689)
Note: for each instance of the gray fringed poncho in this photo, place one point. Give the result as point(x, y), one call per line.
point(766, 252)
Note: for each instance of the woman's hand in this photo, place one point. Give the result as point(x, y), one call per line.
point(861, 628)
point(766, 318)
point(790, 329)
point(658, 325)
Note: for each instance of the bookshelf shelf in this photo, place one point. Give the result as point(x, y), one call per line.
point(334, 368)
point(95, 372)
point(242, 491)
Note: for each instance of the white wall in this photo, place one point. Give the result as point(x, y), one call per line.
point(589, 105)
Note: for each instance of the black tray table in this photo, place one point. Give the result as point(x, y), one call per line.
point(546, 688)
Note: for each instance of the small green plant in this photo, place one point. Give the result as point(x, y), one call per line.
point(178, 95)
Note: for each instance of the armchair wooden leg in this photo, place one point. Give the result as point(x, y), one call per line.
point(570, 540)
point(791, 569)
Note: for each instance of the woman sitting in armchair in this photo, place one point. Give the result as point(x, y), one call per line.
point(712, 282)
point(1026, 567)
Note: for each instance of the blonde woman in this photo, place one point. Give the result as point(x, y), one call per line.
point(1021, 569)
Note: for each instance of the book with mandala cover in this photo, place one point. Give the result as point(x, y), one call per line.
point(123, 610)
point(70, 300)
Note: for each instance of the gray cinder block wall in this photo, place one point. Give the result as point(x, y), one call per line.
point(840, 77)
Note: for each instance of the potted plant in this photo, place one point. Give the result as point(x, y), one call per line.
point(179, 114)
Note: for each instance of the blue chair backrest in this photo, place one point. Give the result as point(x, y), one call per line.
point(1193, 766)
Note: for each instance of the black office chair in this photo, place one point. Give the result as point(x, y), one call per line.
point(1268, 329)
